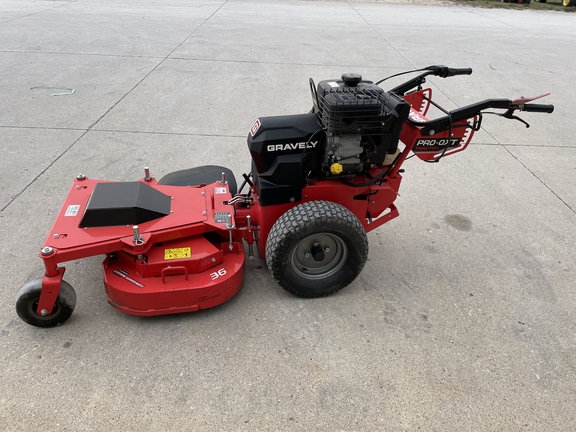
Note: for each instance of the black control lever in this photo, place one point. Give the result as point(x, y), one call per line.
point(510, 115)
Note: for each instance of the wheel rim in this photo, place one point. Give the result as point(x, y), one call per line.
point(318, 256)
point(33, 307)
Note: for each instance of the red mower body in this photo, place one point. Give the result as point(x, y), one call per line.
point(320, 181)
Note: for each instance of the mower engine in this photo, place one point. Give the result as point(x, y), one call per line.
point(354, 126)
point(359, 120)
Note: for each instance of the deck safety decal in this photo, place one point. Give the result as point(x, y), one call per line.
point(177, 253)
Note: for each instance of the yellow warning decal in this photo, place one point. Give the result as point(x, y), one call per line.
point(177, 253)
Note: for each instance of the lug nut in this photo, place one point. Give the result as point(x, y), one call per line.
point(307, 254)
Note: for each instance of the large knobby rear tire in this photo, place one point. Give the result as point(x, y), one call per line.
point(27, 303)
point(316, 249)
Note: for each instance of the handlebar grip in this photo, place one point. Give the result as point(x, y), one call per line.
point(459, 71)
point(445, 71)
point(542, 108)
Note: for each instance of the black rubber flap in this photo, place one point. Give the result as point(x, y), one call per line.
point(205, 174)
point(124, 203)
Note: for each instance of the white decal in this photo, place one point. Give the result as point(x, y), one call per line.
point(437, 142)
point(220, 190)
point(124, 275)
point(427, 93)
point(72, 210)
point(291, 146)
point(217, 274)
point(417, 117)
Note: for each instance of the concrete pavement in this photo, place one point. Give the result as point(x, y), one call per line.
point(464, 316)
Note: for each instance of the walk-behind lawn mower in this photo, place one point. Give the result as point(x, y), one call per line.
point(318, 183)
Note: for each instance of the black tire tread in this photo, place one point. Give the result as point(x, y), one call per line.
point(303, 220)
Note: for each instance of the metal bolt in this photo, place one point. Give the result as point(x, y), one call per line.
point(56, 235)
point(47, 250)
point(307, 254)
point(137, 239)
point(80, 177)
point(204, 213)
point(229, 225)
point(213, 259)
point(326, 249)
point(316, 244)
point(43, 312)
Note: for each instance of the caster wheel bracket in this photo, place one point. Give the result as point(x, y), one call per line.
point(50, 290)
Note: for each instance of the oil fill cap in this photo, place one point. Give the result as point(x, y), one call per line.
point(336, 168)
point(351, 79)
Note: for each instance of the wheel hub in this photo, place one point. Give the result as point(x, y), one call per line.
point(318, 253)
point(319, 256)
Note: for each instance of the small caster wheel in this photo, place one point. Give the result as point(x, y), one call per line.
point(27, 303)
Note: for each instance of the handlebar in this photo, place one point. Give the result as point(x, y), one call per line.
point(437, 70)
point(541, 108)
point(445, 122)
